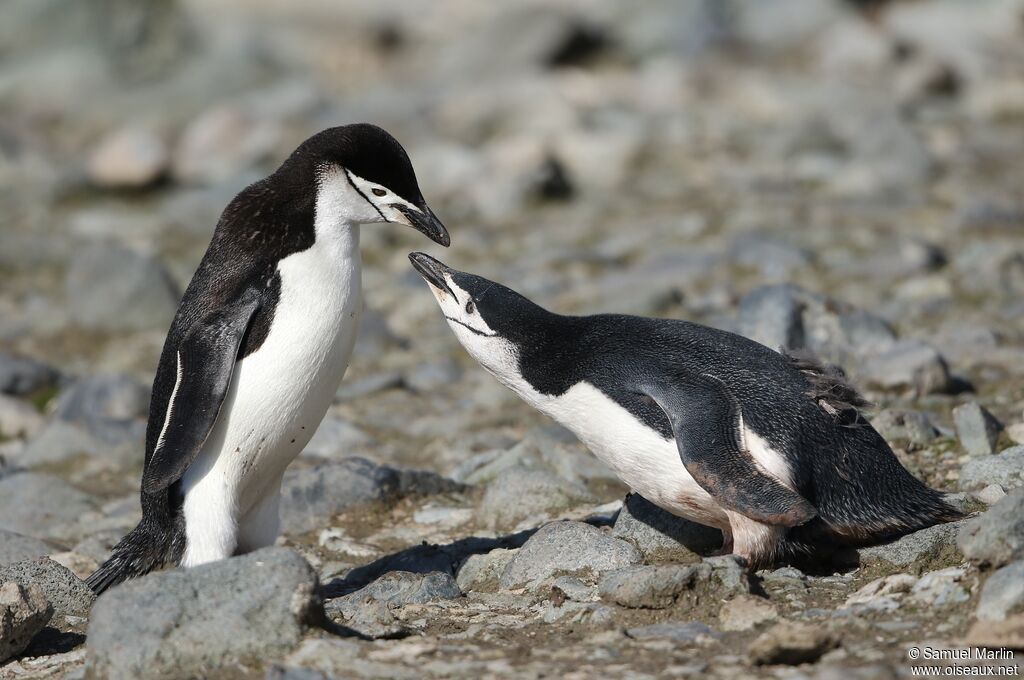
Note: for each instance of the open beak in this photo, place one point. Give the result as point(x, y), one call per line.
point(431, 270)
point(426, 223)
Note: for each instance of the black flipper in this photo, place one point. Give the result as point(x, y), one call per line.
point(705, 420)
point(206, 361)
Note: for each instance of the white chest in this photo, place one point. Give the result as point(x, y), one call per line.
point(280, 393)
point(638, 455)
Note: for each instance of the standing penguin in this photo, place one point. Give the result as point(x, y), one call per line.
point(258, 346)
point(708, 425)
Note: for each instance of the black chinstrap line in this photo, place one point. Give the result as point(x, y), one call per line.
point(464, 325)
point(365, 197)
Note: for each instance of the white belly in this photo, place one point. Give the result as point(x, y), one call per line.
point(638, 455)
point(280, 393)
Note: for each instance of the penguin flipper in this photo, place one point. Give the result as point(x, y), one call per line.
point(206, 361)
point(706, 421)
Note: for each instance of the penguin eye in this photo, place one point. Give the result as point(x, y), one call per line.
point(379, 192)
point(470, 306)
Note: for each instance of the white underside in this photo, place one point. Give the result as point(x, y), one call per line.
point(277, 398)
point(651, 465)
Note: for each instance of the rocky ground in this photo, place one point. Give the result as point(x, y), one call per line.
point(843, 177)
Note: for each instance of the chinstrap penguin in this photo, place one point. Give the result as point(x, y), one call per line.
point(258, 346)
point(771, 448)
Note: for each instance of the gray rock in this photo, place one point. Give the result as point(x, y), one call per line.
point(399, 588)
point(335, 438)
point(115, 396)
point(772, 316)
point(518, 494)
point(647, 587)
point(689, 631)
point(194, 622)
point(368, 610)
point(433, 375)
point(991, 494)
point(1005, 469)
point(222, 143)
point(19, 419)
point(933, 546)
point(41, 506)
point(940, 588)
point(21, 376)
point(996, 537)
point(658, 587)
point(130, 157)
point(661, 536)
point(23, 613)
point(294, 673)
point(792, 643)
point(1003, 593)
point(113, 288)
point(745, 612)
point(907, 364)
point(566, 548)
point(976, 428)
point(66, 592)
point(311, 496)
point(899, 425)
point(107, 443)
point(14, 547)
point(481, 572)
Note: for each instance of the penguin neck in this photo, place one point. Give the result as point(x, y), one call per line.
point(538, 360)
point(338, 241)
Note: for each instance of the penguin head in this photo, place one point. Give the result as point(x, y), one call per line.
point(490, 320)
point(363, 175)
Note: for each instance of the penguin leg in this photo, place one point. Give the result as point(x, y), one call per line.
point(261, 525)
point(211, 516)
point(758, 543)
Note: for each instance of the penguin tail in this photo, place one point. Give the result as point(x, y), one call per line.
point(864, 495)
point(146, 548)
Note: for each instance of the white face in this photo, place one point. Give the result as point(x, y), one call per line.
point(350, 199)
point(494, 353)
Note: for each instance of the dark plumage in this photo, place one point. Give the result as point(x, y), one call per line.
point(687, 382)
point(229, 309)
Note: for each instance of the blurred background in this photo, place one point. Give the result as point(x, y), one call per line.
point(839, 176)
point(844, 176)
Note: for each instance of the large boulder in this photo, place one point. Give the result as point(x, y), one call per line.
point(186, 623)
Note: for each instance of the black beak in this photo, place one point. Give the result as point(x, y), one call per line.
point(431, 270)
point(426, 223)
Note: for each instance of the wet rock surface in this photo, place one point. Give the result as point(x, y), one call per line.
point(838, 177)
